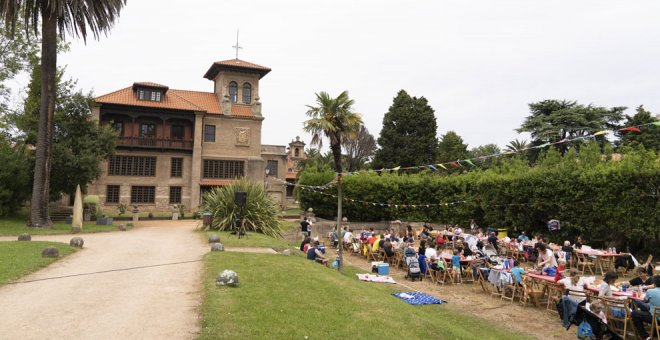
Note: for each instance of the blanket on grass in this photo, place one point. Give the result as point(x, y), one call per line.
point(415, 298)
point(375, 278)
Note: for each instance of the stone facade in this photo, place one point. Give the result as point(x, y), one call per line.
point(197, 127)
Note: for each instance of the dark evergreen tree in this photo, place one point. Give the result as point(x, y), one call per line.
point(408, 136)
point(649, 136)
point(451, 148)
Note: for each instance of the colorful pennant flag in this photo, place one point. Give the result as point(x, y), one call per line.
point(601, 132)
point(442, 166)
point(634, 129)
point(469, 162)
point(455, 164)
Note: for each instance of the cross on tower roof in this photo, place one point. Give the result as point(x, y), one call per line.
point(237, 46)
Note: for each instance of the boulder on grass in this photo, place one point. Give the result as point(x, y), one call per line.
point(77, 242)
point(24, 237)
point(217, 247)
point(50, 252)
point(214, 239)
point(76, 230)
point(286, 252)
point(122, 227)
point(227, 278)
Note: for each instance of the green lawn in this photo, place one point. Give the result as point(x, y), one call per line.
point(252, 240)
point(20, 258)
point(14, 226)
point(292, 211)
point(289, 297)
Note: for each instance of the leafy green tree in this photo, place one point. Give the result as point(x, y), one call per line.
point(451, 148)
point(14, 176)
point(649, 136)
point(333, 118)
point(484, 151)
point(15, 53)
point(409, 133)
point(359, 149)
point(80, 142)
point(75, 17)
point(554, 120)
point(316, 160)
point(260, 213)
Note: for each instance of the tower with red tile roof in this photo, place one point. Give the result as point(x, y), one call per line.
point(173, 144)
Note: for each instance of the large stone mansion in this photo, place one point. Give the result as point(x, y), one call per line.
point(173, 145)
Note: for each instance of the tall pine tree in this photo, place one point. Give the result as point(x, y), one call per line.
point(451, 148)
point(648, 135)
point(408, 136)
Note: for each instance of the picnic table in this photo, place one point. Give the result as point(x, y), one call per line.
point(618, 293)
point(603, 259)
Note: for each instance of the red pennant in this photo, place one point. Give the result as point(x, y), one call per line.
point(455, 164)
point(631, 129)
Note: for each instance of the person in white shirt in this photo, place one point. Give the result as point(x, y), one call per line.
point(604, 289)
point(348, 236)
point(574, 283)
point(546, 257)
point(430, 252)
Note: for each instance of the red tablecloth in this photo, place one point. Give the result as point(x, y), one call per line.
point(541, 277)
point(628, 294)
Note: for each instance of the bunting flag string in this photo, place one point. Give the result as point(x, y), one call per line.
point(457, 163)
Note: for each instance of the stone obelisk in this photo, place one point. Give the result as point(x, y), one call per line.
point(76, 225)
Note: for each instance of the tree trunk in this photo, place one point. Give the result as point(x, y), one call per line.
point(336, 153)
point(40, 188)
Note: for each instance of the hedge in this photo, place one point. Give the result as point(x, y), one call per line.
point(604, 200)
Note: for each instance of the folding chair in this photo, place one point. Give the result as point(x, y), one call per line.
point(447, 275)
point(618, 316)
point(430, 272)
point(530, 295)
point(585, 262)
point(514, 288)
point(555, 292)
point(482, 282)
point(655, 325)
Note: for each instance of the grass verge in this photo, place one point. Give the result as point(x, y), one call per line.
point(20, 258)
point(289, 297)
point(16, 226)
point(252, 240)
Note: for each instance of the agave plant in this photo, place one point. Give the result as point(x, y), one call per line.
point(259, 213)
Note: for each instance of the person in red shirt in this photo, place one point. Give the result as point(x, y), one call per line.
point(560, 270)
point(372, 239)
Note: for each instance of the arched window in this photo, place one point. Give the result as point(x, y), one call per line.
point(233, 92)
point(247, 93)
point(296, 152)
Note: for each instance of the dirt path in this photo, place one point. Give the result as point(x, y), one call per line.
point(159, 302)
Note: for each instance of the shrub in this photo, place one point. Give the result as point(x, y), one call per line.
point(259, 214)
point(122, 208)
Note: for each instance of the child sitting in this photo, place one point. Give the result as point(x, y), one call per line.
point(560, 270)
point(516, 272)
point(597, 308)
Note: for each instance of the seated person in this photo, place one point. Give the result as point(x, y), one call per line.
point(644, 315)
point(305, 244)
point(642, 279)
point(578, 243)
point(492, 239)
point(348, 236)
point(314, 254)
point(560, 270)
point(604, 289)
point(597, 308)
point(573, 283)
point(523, 237)
point(436, 262)
point(546, 257)
point(371, 239)
point(516, 272)
point(387, 249)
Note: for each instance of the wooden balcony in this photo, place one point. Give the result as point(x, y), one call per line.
point(155, 143)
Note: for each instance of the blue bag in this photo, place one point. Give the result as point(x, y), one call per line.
point(584, 331)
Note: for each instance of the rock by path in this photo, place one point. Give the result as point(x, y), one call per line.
point(159, 302)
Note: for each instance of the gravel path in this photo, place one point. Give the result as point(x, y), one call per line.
point(158, 302)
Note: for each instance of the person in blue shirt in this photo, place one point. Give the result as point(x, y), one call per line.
point(456, 266)
point(645, 313)
point(517, 271)
point(523, 237)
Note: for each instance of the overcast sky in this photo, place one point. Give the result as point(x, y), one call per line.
point(479, 63)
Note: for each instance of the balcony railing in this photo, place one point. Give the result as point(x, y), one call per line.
point(161, 143)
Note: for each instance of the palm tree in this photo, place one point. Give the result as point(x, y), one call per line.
point(334, 118)
point(516, 145)
point(77, 17)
